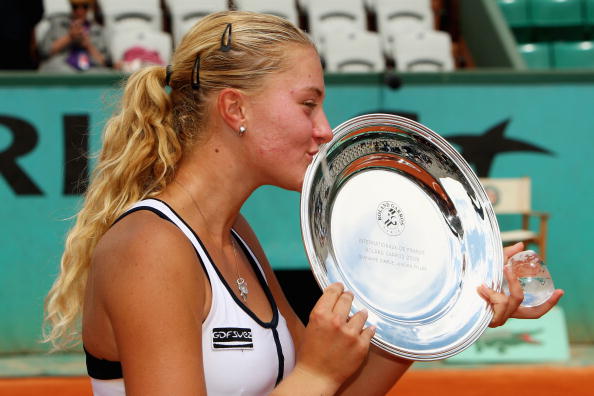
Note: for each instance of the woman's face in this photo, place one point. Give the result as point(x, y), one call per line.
point(285, 121)
point(80, 9)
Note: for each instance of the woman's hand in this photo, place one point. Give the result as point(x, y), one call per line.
point(504, 306)
point(334, 345)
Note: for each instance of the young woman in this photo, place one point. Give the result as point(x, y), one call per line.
point(175, 292)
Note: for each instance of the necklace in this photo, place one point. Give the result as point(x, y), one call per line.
point(241, 283)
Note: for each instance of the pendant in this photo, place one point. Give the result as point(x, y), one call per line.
point(243, 289)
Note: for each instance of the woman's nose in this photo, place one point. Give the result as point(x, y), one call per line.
point(322, 129)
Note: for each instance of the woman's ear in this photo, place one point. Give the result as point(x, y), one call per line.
point(231, 107)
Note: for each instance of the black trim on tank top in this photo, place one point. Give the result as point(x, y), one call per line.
point(281, 357)
point(102, 369)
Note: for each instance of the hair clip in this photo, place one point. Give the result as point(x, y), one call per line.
point(196, 73)
point(226, 39)
point(168, 72)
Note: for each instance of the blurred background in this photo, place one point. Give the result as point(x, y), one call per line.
point(509, 83)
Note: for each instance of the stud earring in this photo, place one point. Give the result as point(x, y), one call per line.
point(242, 130)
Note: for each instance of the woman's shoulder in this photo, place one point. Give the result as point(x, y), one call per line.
point(143, 237)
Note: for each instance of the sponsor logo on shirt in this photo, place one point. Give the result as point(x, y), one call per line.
point(232, 338)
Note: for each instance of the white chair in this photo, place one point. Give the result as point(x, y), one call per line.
point(354, 52)
point(131, 15)
point(512, 196)
point(282, 8)
point(333, 16)
point(396, 17)
point(151, 40)
point(423, 51)
point(185, 14)
point(51, 9)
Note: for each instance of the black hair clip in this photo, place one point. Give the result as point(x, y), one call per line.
point(168, 72)
point(196, 73)
point(226, 39)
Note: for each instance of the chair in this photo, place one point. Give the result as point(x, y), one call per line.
point(515, 12)
point(536, 55)
point(395, 17)
point(51, 9)
point(131, 15)
point(354, 52)
point(512, 196)
point(555, 13)
point(282, 8)
point(573, 55)
point(423, 51)
point(332, 16)
point(124, 40)
point(185, 14)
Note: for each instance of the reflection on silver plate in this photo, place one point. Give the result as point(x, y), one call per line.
point(393, 212)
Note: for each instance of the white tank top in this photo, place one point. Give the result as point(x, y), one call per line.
point(241, 354)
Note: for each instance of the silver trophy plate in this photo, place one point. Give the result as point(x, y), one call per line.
point(394, 212)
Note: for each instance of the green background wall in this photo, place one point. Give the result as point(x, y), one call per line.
point(553, 111)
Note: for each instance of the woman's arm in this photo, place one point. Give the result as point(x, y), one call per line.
point(146, 277)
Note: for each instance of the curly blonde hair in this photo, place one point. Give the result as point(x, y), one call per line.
point(146, 138)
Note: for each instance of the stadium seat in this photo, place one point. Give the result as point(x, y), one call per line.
point(282, 8)
point(185, 13)
point(333, 16)
point(354, 52)
point(573, 55)
point(56, 7)
point(423, 51)
point(536, 55)
point(555, 13)
point(396, 17)
point(131, 15)
point(515, 12)
point(51, 9)
point(147, 41)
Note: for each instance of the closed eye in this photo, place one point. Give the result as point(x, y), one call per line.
point(310, 103)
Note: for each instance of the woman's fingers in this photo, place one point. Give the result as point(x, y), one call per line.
point(329, 297)
point(513, 249)
point(516, 293)
point(357, 321)
point(342, 308)
point(540, 310)
point(503, 306)
point(498, 302)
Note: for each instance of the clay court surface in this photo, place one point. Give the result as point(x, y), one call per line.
point(575, 378)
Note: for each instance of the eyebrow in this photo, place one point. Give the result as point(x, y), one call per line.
point(316, 90)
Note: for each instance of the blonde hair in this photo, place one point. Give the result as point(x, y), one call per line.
point(144, 141)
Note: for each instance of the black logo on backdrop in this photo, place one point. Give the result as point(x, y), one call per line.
point(480, 150)
point(24, 141)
